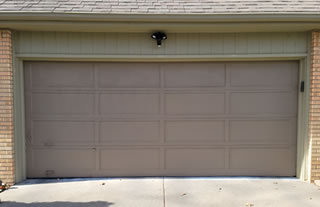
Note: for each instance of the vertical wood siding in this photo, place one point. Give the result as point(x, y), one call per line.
point(71, 43)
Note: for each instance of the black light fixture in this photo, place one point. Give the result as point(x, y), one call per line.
point(159, 36)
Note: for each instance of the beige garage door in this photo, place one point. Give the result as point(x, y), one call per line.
point(172, 119)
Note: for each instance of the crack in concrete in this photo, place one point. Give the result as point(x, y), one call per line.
point(163, 192)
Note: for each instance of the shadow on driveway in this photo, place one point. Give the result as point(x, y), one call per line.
point(56, 204)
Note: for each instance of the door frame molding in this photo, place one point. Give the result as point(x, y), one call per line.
point(303, 162)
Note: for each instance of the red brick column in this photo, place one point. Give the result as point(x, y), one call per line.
point(7, 164)
point(314, 120)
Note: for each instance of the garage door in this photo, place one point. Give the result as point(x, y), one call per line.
point(172, 119)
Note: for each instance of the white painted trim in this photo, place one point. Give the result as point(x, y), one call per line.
point(308, 143)
point(303, 164)
point(138, 17)
point(19, 120)
point(161, 58)
point(170, 27)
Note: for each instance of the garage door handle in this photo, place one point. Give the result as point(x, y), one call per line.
point(94, 149)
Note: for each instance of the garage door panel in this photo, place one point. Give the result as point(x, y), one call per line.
point(129, 131)
point(129, 159)
point(62, 132)
point(129, 103)
point(263, 103)
point(56, 162)
point(272, 131)
point(57, 75)
point(270, 75)
point(195, 103)
point(158, 119)
point(201, 158)
point(277, 159)
point(190, 75)
point(57, 104)
point(128, 75)
point(194, 131)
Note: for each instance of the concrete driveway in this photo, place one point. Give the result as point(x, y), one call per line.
point(162, 192)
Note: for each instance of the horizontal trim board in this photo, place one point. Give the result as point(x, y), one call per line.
point(160, 58)
point(241, 17)
point(170, 144)
point(192, 27)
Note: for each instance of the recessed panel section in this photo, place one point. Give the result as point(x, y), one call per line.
point(263, 103)
point(194, 131)
point(62, 162)
point(132, 160)
point(196, 159)
point(257, 159)
point(55, 132)
point(271, 75)
point(128, 75)
point(194, 103)
point(129, 103)
point(273, 131)
point(57, 104)
point(188, 75)
point(58, 75)
point(129, 131)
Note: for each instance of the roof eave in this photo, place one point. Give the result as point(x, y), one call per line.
point(180, 23)
point(133, 17)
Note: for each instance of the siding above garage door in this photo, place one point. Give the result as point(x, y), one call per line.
point(139, 119)
point(62, 44)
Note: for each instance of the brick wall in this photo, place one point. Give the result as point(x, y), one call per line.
point(7, 174)
point(315, 107)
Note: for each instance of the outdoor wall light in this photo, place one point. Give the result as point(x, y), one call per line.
point(159, 36)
